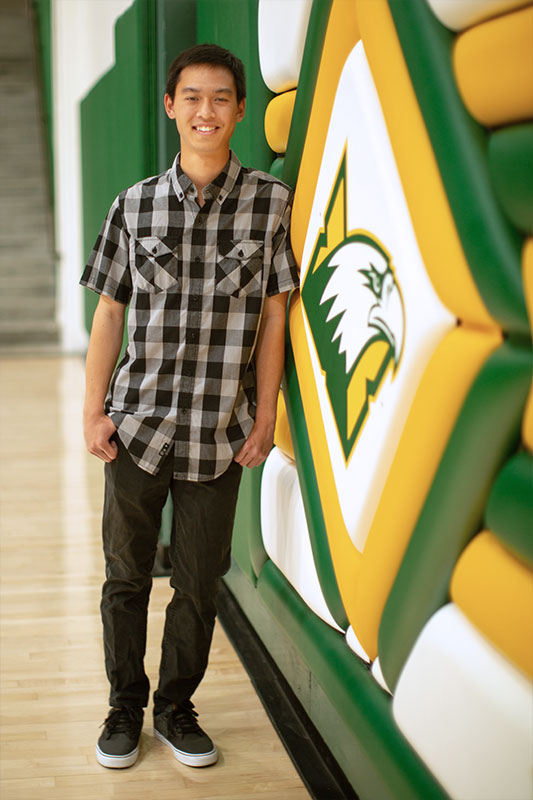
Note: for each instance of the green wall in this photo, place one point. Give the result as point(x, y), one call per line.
point(42, 14)
point(176, 30)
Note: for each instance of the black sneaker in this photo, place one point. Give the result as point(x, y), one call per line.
point(118, 746)
point(177, 727)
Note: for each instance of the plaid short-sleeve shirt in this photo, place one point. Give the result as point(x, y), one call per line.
point(195, 279)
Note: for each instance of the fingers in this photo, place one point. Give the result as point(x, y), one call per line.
point(108, 451)
point(247, 460)
point(98, 439)
point(251, 455)
point(105, 450)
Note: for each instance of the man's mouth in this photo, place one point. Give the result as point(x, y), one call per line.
point(205, 128)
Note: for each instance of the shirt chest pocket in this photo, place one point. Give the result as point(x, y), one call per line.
point(157, 265)
point(239, 269)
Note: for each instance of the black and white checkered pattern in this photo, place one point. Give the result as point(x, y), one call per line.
point(195, 280)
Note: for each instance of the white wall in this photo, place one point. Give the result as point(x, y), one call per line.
point(83, 50)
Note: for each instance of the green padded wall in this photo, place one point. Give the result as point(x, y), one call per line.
point(509, 512)
point(511, 170)
point(247, 545)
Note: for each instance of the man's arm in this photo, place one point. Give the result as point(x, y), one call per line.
point(269, 359)
point(104, 348)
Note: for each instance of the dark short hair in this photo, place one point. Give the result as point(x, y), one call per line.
point(212, 55)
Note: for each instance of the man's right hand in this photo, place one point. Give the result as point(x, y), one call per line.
point(98, 431)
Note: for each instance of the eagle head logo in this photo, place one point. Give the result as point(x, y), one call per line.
point(355, 311)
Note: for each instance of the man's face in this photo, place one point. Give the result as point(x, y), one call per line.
point(205, 109)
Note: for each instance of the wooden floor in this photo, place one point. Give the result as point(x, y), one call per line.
point(54, 692)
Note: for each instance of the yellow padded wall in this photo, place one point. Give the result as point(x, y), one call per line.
point(495, 591)
point(527, 423)
point(493, 65)
point(278, 118)
point(527, 277)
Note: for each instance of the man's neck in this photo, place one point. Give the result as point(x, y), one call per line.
point(202, 169)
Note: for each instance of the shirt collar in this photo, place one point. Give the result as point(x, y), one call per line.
point(218, 189)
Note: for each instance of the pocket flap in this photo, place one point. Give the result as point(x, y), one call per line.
point(155, 246)
point(240, 249)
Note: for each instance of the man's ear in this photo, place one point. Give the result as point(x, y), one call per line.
point(169, 106)
point(240, 109)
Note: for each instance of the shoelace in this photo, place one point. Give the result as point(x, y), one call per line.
point(122, 720)
point(183, 720)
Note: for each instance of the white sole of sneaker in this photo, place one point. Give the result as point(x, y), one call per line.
point(117, 762)
point(190, 759)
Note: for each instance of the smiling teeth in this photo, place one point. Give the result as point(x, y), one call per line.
point(205, 128)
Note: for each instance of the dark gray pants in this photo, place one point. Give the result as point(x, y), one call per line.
point(200, 554)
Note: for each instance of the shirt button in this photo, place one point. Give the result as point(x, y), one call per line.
point(200, 220)
point(197, 259)
point(194, 336)
point(195, 298)
point(154, 250)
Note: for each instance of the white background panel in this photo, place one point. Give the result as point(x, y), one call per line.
point(83, 48)
point(282, 30)
point(461, 14)
point(467, 711)
point(375, 204)
point(285, 533)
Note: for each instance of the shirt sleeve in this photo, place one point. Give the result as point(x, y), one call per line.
point(108, 268)
point(283, 269)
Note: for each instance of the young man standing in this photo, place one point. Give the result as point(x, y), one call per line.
point(201, 254)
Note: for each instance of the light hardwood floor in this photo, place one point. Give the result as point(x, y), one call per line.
point(54, 692)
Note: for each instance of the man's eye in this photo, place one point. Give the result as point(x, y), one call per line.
point(191, 98)
point(222, 99)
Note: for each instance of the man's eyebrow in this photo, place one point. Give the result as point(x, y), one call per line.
point(216, 91)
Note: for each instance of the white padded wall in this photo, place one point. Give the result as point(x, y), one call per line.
point(282, 29)
point(354, 644)
point(467, 711)
point(285, 533)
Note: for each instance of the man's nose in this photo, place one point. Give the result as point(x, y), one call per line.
point(206, 109)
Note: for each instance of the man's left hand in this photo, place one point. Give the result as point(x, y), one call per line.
point(257, 446)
